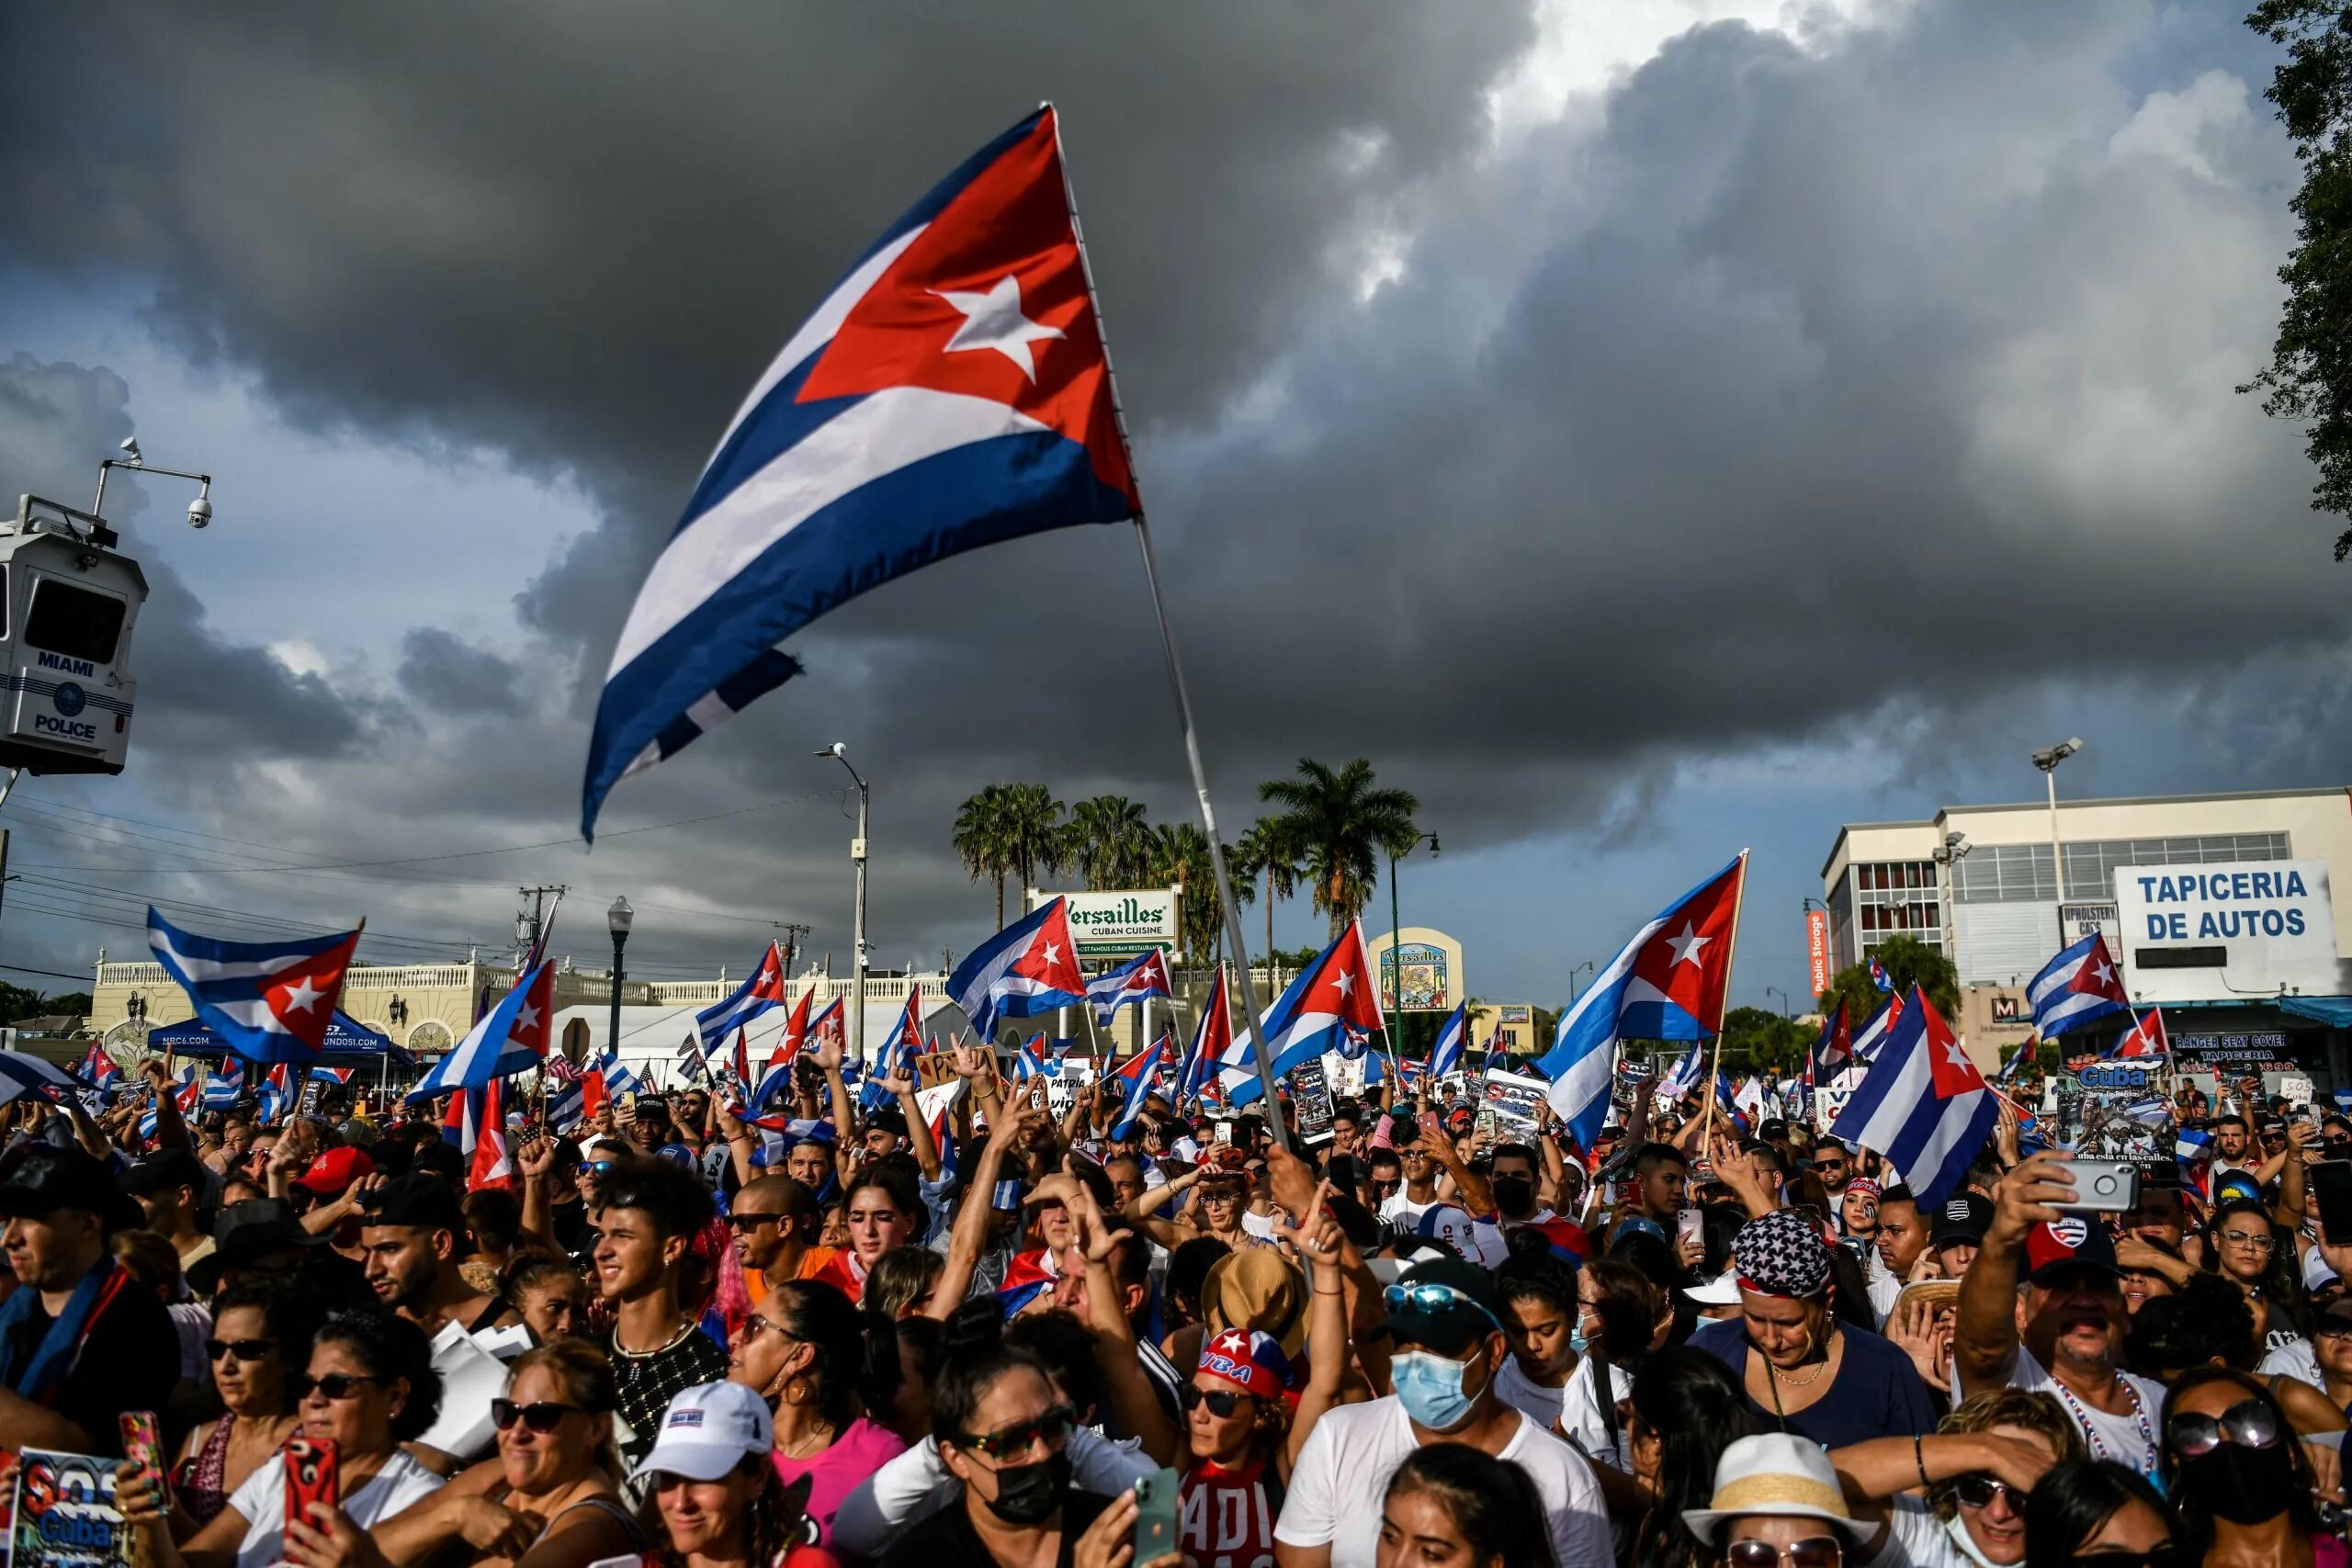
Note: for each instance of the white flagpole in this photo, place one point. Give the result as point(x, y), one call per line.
point(1233, 933)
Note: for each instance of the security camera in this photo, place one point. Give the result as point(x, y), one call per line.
point(200, 513)
point(129, 449)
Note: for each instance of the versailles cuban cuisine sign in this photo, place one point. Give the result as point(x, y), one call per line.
point(1122, 924)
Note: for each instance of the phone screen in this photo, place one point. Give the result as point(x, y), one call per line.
point(2332, 1186)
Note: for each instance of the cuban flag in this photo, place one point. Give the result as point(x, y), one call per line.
point(1880, 977)
point(1680, 1080)
point(1134, 1080)
point(1029, 967)
point(795, 1031)
point(476, 1122)
point(1834, 1051)
point(2193, 1151)
point(2026, 1052)
point(224, 1086)
point(187, 1096)
point(1665, 983)
point(2144, 1038)
point(1212, 1036)
point(898, 1054)
point(1331, 996)
point(1452, 1044)
point(98, 1069)
point(21, 1075)
point(605, 1080)
point(1027, 1278)
point(1923, 1105)
point(831, 1027)
point(490, 1049)
point(270, 1001)
point(952, 391)
point(1874, 1031)
point(754, 996)
point(2077, 988)
point(1130, 985)
point(1029, 1062)
point(1498, 1059)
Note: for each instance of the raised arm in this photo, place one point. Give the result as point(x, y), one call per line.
point(901, 1084)
point(829, 1060)
point(969, 1237)
point(1137, 1409)
point(535, 1161)
point(1468, 1185)
point(1986, 1344)
point(1322, 1245)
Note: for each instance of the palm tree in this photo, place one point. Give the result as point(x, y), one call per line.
point(1006, 829)
point(1179, 853)
point(1108, 841)
point(1262, 852)
point(1339, 826)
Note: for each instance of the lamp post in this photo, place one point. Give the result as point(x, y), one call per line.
point(840, 754)
point(1584, 968)
point(1396, 941)
point(617, 919)
point(2047, 760)
point(1776, 991)
point(1953, 850)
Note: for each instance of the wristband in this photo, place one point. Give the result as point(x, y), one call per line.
point(1919, 1457)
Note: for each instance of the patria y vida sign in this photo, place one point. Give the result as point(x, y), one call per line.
point(1121, 924)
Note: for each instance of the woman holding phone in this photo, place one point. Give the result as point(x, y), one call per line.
point(261, 1331)
point(369, 1388)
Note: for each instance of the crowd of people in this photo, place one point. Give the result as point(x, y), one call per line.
point(862, 1334)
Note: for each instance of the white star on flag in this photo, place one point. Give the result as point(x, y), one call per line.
point(1957, 1057)
point(2104, 974)
point(302, 995)
point(528, 1018)
point(1686, 947)
point(1345, 981)
point(994, 321)
point(1053, 953)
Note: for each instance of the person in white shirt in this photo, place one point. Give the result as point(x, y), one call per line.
point(1445, 1328)
point(1544, 1323)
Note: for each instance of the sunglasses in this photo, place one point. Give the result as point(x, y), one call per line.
point(1428, 1296)
point(542, 1415)
point(1813, 1552)
point(336, 1386)
point(599, 1168)
point(243, 1350)
point(750, 1222)
point(2249, 1423)
point(1977, 1490)
point(2259, 1242)
point(1052, 1429)
point(1220, 1405)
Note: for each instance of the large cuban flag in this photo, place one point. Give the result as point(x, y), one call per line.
point(952, 391)
point(1331, 997)
point(1029, 967)
point(270, 1001)
point(1131, 984)
point(756, 996)
point(1665, 983)
point(2077, 988)
point(1923, 1105)
point(499, 1044)
point(1212, 1037)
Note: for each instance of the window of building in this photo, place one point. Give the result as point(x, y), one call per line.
point(2180, 957)
point(2010, 874)
point(1898, 897)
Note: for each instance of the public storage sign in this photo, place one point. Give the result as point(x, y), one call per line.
point(2239, 928)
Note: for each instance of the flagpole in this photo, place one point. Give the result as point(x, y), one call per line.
point(1233, 932)
point(1731, 956)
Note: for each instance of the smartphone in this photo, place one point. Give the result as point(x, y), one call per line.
point(1155, 1515)
point(2103, 1186)
point(143, 1444)
point(2331, 1182)
point(313, 1474)
point(1225, 1131)
point(1688, 1224)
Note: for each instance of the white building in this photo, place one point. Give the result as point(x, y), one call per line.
point(2219, 907)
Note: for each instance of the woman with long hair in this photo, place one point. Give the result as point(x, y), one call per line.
point(549, 1294)
point(881, 1208)
point(370, 1388)
point(2102, 1514)
point(2259, 1257)
point(2238, 1474)
point(1453, 1504)
point(260, 1332)
point(1620, 1314)
point(1687, 1409)
point(825, 1368)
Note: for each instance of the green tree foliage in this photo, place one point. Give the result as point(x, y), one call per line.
point(2309, 379)
point(1760, 1040)
point(1181, 853)
point(1109, 841)
point(1908, 961)
point(1262, 853)
point(1338, 825)
point(1007, 829)
point(16, 1002)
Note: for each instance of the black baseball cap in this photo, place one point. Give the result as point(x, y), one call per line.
point(1445, 1304)
point(1773, 1130)
point(1965, 1216)
point(425, 1203)
point(38, 1178)
point(162, 1171)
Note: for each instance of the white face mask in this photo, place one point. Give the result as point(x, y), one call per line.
point(1957, 1527)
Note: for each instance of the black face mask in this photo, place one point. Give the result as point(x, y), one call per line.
point(1028, 1494)
point(2243, 1486)
point(1513, 1194)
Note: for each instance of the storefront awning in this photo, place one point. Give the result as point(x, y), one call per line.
point(2334, 1011)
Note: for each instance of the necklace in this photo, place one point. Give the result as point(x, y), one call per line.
point(635, 1359)
point(2081, 1415)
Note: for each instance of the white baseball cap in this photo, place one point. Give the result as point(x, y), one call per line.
point(1723, 1291)
point(707, 1430)
point(1781, 1476)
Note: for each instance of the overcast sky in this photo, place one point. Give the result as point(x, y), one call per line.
point(1643, 430)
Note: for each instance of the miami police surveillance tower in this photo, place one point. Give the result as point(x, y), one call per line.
point(2220, 909)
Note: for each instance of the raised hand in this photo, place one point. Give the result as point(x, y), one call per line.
point(535, 1158)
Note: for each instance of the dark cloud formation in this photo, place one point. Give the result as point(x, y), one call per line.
point(1792, 391)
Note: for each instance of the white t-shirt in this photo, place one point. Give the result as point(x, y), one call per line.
point(1916, 1538)
point(1582, 1417)
point(1524, 1394)
point(1343, 1471)
point(1398, 1207)
point(2297, 1360)
point(2129, 1440)
point(262, 1501)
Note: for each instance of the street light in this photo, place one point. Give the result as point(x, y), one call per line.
point(2047, 760)
point(1583, 968)
point(1951, 852)
point(617, 919)
point(1396, 941)
point(1776, 991)
point(840, 754)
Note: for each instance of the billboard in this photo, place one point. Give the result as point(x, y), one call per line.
point(2236, 929)
point(1122, 924)
point(1426, 987)
point(1816, 948)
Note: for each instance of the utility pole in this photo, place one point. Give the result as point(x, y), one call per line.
point(793, 932)
point(531, 924)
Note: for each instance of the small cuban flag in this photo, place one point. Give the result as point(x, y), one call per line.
point(1879, 978)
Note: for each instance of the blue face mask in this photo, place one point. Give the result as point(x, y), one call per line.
point(1430, 1388)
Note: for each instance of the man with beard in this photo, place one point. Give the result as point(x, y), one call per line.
point(410, 1238)
point(2061, 1334)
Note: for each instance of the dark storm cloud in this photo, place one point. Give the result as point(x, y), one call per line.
point(446, 672)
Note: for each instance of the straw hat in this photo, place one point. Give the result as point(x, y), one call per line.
point(1778, 1474)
